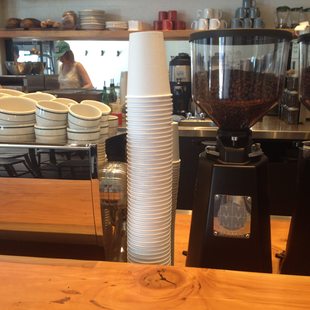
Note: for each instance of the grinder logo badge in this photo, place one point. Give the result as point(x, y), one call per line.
point(232, 216)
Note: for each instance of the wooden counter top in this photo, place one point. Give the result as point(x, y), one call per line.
point(59, 284)
point(37, 283)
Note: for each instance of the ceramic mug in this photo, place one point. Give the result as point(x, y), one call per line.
point(214, 23)
point(258, 23)
point(134, 25)
point(236, 23)
point(254, 12)
point(223, 24)
point(248, 4)
point(247, 23)
point(210, 13)
point(179, 25)
point(157, 25)
point(241, 13)
point(162, 15)
point(167, 24)
point(172, 15)
point(200, 24)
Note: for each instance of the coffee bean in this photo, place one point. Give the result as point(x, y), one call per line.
point(236, 99)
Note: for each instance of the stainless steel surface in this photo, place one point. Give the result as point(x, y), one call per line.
point(271, 127)
point(26, 83)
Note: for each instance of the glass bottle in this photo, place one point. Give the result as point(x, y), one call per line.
point(112, 94)
point(105, 95)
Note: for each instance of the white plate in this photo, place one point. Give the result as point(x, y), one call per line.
point(95, 27)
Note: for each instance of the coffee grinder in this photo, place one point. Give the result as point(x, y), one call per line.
point(237, 76)
point(180, 83)
point(297, 255)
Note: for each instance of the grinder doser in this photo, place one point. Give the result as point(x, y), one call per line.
point(237, 76)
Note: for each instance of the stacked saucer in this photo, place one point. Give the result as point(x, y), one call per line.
point(92, 19)
point(116, 25)
point(149, 151)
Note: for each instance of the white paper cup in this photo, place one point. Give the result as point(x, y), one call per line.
point(147, 66)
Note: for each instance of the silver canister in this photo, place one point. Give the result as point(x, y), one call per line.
point(113, 200)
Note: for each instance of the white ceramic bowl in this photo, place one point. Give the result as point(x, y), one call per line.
point(104, 130)
point(51, 140)
point(67, 101)
point(51, 113)
point(83, 135)
point(83, 116)
point(17, 133)
point(39, 96)
point(50, 131)
point(104, 108)
point(113, 121)
point(17, 110)
point(11, 92)
point(10, 130)
point(4, 95)
point(27, 138)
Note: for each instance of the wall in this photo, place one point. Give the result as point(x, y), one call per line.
point(136, 9)
point(129, 9)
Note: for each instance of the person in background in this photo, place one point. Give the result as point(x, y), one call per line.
point(15, 53)
point(72, 74)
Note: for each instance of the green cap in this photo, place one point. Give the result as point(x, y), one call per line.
point(61, 48)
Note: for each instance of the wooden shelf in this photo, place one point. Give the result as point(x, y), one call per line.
point(108, 35)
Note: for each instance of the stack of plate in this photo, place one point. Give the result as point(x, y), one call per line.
point(116, 25)
point(149, 151)
point(92, 19)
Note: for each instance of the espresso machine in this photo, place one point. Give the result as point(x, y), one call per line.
point(297, 255)
point(237, 76)
point(180, 83)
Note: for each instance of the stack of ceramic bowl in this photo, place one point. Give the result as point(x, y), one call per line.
point(104, 129)
point(39, 96)
point(176, 163)
point(17, 118)
point(92, 19)
point(113, 125)
point(11, 92)
point(149, 150)
point(51, 122)
point(67, 101)
point(116, 25)
point(83, 124)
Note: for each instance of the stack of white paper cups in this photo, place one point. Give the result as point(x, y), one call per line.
point(149, 150)
point(176, 163)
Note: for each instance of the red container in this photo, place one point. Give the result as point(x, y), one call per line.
point(167, 24)
point(162, 15)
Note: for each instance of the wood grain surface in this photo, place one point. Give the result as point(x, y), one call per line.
point(59, 206)
point(37, 283)
point(105, 285)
